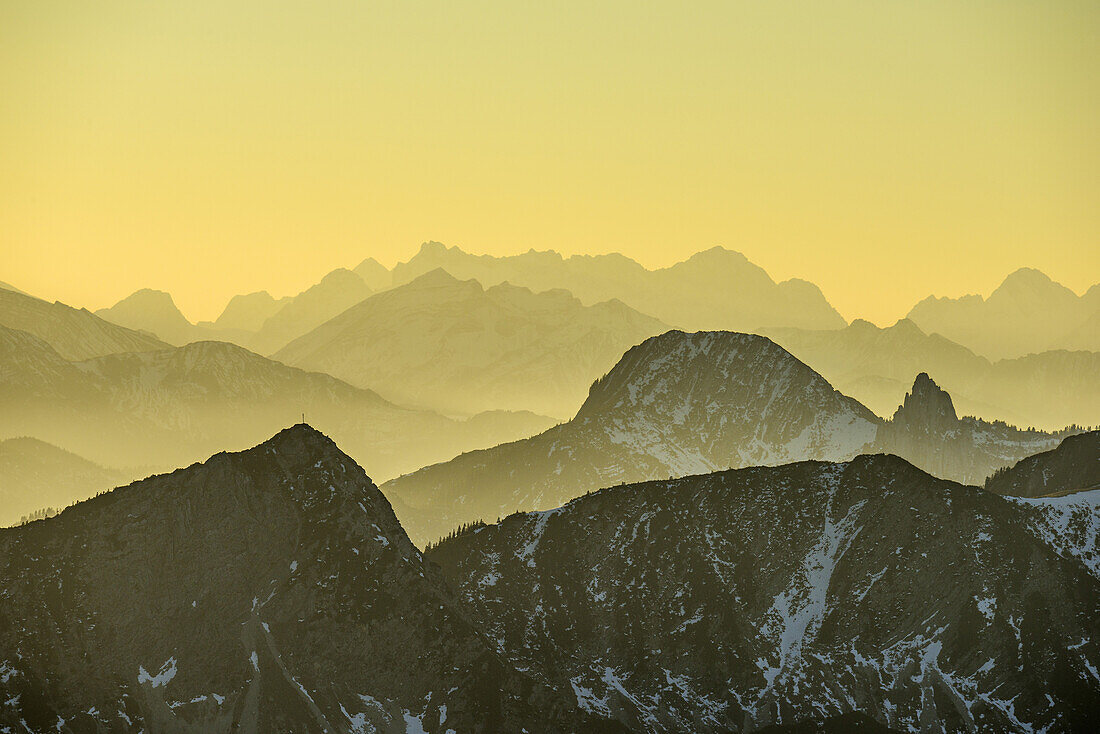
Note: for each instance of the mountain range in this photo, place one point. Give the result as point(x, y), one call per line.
point(275, 590)
point(459, 348)
point(770, 595)
point(1048, 390)
point(74, 333)
point(172, 406)
point(681, 404)
point(1027, 313)
point(714, 289)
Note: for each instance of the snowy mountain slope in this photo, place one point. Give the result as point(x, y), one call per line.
point(676, 404)
point(270, 590)
point(457, 347)
point(765, 595)
point(74, 334)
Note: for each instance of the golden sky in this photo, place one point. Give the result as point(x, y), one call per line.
point(884, 150)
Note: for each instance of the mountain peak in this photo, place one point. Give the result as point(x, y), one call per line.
point(927, 405)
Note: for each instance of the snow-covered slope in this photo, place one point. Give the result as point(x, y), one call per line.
point(676, 404)
point(270, 590)
point(774, 594)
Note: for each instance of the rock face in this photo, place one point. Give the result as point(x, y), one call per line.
point(73, 334)
point(270, 590)
point(1027, 313)
point(715, 289)
point(927, 432)
point(767, 595)
point(676, 404)
point(1072, 467)
point(1049, 390)
point(35, 475)
point(456, 347)
point(162, 409)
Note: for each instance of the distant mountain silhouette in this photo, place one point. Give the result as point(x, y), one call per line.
point(676, 404)
point(249, 312)
point(73, 333)
point(374, 274)
point(154, 312)
point(715, 289)
point(339, 290)
point(457, 347)
point(269, 590)
point(170, 407)
point(1071, 467)
point(734, 600)
point(35, 475)
point(876, 366)
point(9, 287)
point(1027, 313)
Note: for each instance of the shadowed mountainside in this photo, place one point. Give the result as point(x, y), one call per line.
point(726, 602)
point(269, 590)
point(1071, 467)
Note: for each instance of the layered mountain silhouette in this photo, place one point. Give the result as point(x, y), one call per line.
point(249, 312)
point(1027, 313)
point(676, 404)
point(682, 404)
point(458, 347)
point(72, 333)
point(876, 366)
point(35, 475)
point(339, 290)
point(1072, 467)
point(772, 595)
point(926, 431)
point(270, 590)
point(170, 407)
point(374, 274)
point(715, 289)
point(155, 312)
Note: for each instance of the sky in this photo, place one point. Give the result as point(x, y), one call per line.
point(883, 150)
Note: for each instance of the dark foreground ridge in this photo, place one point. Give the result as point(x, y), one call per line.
point(273, 590)
point(260, 591)
point(778, 595)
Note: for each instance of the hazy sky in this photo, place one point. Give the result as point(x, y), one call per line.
point(884, 150)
